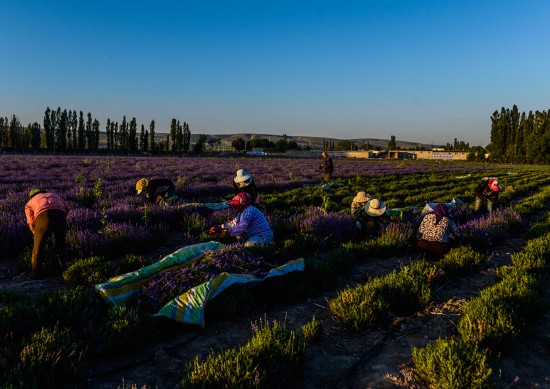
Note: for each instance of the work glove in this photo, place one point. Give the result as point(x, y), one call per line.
point(216, 230)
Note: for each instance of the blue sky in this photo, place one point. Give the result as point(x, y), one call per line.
point(424, 71)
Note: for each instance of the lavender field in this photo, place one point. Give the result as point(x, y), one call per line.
point(100, 193)
point(113, 231)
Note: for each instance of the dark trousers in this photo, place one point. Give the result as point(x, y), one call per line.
point(49, 222)
point(327, 177)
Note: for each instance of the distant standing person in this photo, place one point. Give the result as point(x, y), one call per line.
point(46, 214)
point(158, 190)
point(327, 166)
point(243, 182)
point(487, 190)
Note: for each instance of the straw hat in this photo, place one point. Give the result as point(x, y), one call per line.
point(241, 176)
point(362, 197)
point(375, 207)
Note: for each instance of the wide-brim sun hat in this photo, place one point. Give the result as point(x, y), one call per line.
point(493, 184)
point(362, 197)
point(141, 185)
point(242, 176)
point(375, 207)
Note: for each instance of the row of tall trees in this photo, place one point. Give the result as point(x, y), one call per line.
point(520, 137)
point(66, 131)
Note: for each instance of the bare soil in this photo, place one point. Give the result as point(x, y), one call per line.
point(377, 358)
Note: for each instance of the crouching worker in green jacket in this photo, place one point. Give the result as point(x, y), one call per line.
point(158, 190)
point(370, 217)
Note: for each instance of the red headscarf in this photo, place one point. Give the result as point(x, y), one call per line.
point(241, 201)
point(440, 211)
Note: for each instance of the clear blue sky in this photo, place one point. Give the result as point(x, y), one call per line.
point(424, 71)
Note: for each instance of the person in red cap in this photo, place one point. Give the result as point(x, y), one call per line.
point(250, 224)
point(487, 190)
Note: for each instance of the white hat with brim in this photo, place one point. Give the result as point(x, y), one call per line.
point(241, 176)
point(362, 197)
point(375, 207)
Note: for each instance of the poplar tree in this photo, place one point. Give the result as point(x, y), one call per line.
point(74, 126)
point(89, 132)
point(81, 132)
point(179, 136)
point(152, 135)
point(132, 136)
point(173, 129)
point(36, 136)
point(108, 134)
point(95, 136)
point(48, 128)
point(186, 137)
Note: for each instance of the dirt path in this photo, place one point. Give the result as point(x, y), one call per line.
point(376, 358)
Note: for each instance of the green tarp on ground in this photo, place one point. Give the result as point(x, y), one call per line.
point(118, 290)
point(213, 206)
point(187, 308)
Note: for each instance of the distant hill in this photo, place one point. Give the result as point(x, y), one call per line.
point(315, 142)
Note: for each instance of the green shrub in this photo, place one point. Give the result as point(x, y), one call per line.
point(539, 229)
point(490, 322)
point(88, 271)
point(539, 246)
point(529, 261)
point(273, 357)
point(79, 308)
point(406, 290)
point(392, 241)
point(19, 318)
point(122, 328)
point(500, 312)
point(449, 363)
point(461, 260)
point(9, 297)
point(359, 307)
point(49, 357)
point(312, 330)
point(340, 260)
point(132, 262)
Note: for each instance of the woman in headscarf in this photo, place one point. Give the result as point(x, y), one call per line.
point(437, 232)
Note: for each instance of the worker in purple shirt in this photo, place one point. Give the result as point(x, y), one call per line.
point(250, 224)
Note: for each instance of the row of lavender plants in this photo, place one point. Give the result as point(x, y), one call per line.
point(490, 325)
